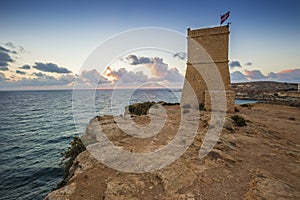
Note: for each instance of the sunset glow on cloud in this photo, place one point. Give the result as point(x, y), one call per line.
point(48, 74)
point(51, 53)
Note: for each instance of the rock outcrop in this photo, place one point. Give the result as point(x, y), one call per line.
point(264, 186)
point(257, 161)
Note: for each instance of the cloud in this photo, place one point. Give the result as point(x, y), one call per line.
point(238, 76)
point(87, 78)
point(234, 63)
point(51, 67)
point(2, 77)
point(3, 68)
point(13, 46)
point(254, 74)
point(7, 50)
point(159, 70)
point(289, 75)
point(91, 77)
point(5, 58)
point(134, 60)
point(124, 76)
point(39, 74)
point(20, 72)
point(180, 55)
point(4, 49)
point(25, 67)
point(22, 50)
point(63, 80)
point(5, 55)
point(248, 64)
point(135, 77)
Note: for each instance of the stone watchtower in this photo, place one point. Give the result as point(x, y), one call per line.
point(208, 48)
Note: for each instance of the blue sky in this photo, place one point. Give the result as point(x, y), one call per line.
point(64, 33)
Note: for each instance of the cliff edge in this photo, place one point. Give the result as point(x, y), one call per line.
point(258, 161)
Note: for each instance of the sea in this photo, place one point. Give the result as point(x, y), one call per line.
point(36, 127)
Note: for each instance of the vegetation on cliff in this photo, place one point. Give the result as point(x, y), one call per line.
point(75, 148)
point(239, 120)
point(202, 107)
point(140, 108)
point(250, 159)
point(143, 108)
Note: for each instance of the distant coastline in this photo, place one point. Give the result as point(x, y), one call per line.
point(252, 85)
point(260, 91)
point(267, 91)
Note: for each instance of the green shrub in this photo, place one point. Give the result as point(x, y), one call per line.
point(140, 108)
point(75, 148)
point(201, 107)
point(239, 120)
point(167, 103)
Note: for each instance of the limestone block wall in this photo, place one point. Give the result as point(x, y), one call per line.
point(208, 49)
point(230, 97)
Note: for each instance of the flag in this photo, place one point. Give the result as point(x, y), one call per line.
point(224, 17)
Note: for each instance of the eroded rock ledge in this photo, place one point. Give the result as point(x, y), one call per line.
point(257, 161)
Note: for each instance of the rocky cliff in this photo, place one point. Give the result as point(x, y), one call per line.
point(258, 161)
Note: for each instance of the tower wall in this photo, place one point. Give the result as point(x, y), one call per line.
point(214, 52)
